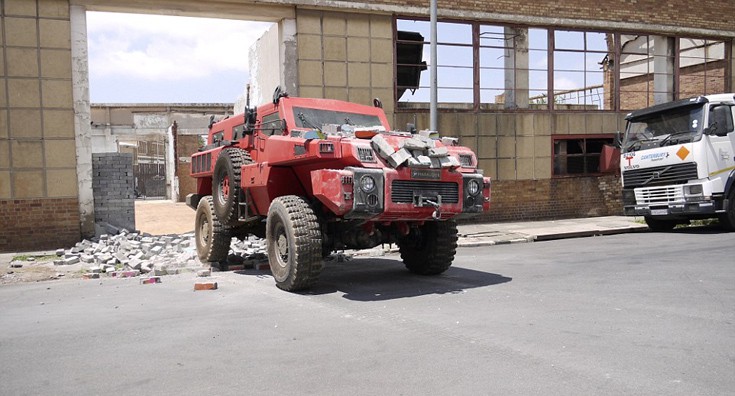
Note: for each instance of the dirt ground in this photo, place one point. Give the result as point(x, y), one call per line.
point(160, 217)
point(156, 217)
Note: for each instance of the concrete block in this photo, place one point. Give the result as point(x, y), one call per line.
point(126, 274)
point(424, 160)
point(381, 146)
point(71, 260)
point(91, 276)
point(59, 252)
point(438, 152)
point(399, 157)
point(414, 144)
point(204, 273)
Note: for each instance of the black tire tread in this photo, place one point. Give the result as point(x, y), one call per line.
point(436, 250)
point(727, 219)
point(219, 246)
point(304, 225)
point(238, 157)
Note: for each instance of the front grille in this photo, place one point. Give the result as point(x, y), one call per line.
point(659, 195)
point(660, 175)
point(201, 163)
point(365, 154)
point(403, 191)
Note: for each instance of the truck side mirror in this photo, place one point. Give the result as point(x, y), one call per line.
point(618, 140)
point(720, 121)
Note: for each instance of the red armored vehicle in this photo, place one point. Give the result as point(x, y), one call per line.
point(317, 175)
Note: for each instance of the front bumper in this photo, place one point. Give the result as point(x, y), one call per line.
point(668, 201)
point(408, 194)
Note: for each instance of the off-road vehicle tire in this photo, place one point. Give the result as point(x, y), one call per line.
point(211, 236)
point(226, 183)
point(660, 225)
point(429, 249)
point(294, 239)
point(727, 219)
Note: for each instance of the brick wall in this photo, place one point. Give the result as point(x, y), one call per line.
point(113, 188)
point(185, 146)
point(555, 198)
point(38, 224)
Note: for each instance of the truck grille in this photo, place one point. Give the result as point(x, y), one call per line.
point(403, 191)
point(365, 154)
point(660, 175)
point(201, 163)
point(659, 195)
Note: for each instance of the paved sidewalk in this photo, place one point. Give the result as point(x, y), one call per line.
point(529, 231)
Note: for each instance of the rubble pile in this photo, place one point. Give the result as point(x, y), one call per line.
point(130, 254)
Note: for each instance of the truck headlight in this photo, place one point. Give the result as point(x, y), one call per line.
point(473, 187)
point(693, 189)
point(367, 183)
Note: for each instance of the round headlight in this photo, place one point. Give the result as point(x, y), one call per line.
point(473, 187)
point(367, 183)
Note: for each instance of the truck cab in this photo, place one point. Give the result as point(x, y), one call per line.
point(677, 162)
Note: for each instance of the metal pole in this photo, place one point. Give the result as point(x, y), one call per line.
point(433, 124)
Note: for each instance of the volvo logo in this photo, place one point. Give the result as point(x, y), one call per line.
point(656, 175)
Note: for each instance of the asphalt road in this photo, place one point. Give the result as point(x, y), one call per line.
point(634, 314)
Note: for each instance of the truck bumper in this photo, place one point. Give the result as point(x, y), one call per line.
point(682, 209)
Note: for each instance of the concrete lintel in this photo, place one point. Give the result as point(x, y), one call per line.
point(228, 9)
point(505, 18)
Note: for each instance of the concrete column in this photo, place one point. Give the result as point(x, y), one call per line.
point(516, 68)
point(82, 117)
point(663, 69)
point(172, 188)
point(288, 55)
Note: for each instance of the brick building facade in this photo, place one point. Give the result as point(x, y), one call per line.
point(529, 143)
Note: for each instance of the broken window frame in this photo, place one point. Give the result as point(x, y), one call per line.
point(612, 101)
point(588, 158)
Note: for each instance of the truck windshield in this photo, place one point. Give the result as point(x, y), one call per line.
point(318, 118)
point(674, 126)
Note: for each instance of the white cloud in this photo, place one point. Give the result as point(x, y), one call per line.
point(565, 84)
point(154, 47)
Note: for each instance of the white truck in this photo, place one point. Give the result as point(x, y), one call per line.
point(677, 162)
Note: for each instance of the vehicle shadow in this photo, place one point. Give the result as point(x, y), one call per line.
point(701, 230)
point(377, 279)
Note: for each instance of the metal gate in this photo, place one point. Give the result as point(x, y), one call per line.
point(150, 180)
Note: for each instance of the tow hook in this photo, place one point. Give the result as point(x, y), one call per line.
point(421, 202)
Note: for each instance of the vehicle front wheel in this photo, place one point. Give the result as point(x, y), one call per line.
point(211, 236)
point(226, 183)
point(294, 239)
point(660, 225)
point(429, 249)
point(727, 219)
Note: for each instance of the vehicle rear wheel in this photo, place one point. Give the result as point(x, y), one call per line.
point(226, 183)
point(294, 239)
point(660, 225)
point(727, 219)
point(211, 236)
point(429, 249)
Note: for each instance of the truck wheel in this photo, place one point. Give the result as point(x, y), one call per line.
point(226, 183)
point(727, 219)
point(659, 225)
point(211, 236)
point(294, 241)
point(430, 249)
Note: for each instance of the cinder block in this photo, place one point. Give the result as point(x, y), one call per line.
point(399, 157)
point(381, 146)
point(91, 276)
point(438, 152)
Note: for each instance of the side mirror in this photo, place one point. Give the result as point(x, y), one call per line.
point(618, 140)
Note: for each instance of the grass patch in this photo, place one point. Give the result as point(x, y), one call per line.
point(25, 257)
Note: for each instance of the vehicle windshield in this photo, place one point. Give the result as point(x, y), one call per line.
point(330, 121)
point(674, 126)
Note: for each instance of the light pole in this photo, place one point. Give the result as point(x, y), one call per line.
point(433, 87)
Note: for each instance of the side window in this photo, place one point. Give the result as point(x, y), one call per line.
point(720, 119)
point(218, 137)
point(272, 124)
point(237, 131)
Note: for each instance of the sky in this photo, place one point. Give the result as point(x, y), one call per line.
point(135, 58)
